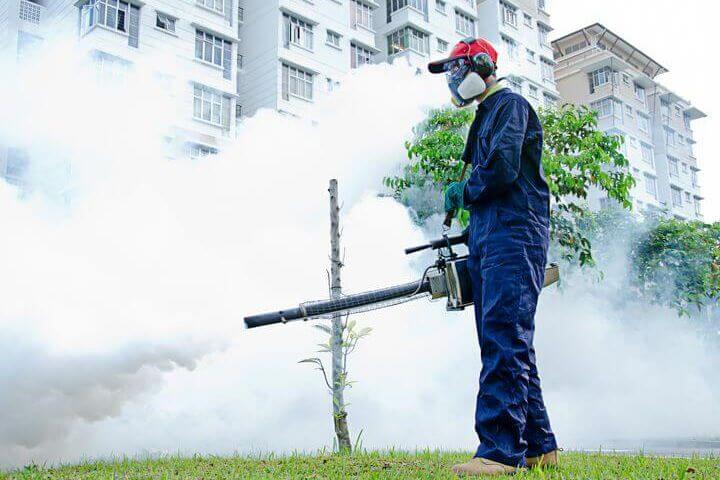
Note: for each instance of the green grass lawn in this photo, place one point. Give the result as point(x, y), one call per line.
point(396, 465)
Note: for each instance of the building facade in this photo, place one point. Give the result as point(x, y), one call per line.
point(225, 59)
point(597, 68)
point(294, 51)
point(191, 44)
point(520, 29)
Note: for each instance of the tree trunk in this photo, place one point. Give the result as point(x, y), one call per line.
point(338, 373)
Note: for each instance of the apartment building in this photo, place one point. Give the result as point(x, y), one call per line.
point(192, 45)
point(520, 30)
point(598, 68)
point(294, 51)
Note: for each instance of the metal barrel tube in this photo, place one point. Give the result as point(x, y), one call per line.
point(343, 304)
point(271, 318)
point(353, 302)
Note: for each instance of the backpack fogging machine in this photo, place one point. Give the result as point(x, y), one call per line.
point(447, 278)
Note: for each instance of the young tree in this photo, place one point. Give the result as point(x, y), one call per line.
point(576, 157)
point(343, 335)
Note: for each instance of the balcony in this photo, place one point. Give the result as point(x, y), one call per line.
point(409, 15)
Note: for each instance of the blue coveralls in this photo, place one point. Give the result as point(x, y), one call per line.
point(509, 202)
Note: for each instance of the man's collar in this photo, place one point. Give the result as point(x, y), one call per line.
point(492, 91)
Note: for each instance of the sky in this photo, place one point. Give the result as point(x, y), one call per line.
point(681, 39)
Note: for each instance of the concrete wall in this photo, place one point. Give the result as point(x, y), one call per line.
point(258, 84)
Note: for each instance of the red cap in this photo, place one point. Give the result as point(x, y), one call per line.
point(467, 48)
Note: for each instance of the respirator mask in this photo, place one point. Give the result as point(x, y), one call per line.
point(466, 78)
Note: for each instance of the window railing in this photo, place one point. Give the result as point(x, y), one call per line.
point(30, 12)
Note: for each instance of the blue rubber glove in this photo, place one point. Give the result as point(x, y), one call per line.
point(455, 196)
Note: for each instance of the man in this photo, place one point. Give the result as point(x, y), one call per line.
point(509, 202)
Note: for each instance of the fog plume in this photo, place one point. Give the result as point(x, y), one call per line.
point(123, 295)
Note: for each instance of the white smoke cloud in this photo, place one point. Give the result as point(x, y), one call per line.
point(121, 313)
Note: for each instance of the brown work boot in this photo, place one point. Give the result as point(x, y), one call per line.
point(482, 467)
point(547, 460)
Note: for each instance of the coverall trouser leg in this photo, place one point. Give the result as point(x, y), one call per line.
point(507, 272)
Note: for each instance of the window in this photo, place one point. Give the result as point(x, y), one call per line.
point(629, 111)
point(360, 56)
point(677, 111)
point(530, 55)
point(548, 101)
point(633, 142)
point(408, 38)
point(17, 164)
point(198, 151)
point(240, 61)
point(669, 137)
point(528, 20)
point(515, 85)
point(440, 6)
point(215, 50)
point(600, 77)
point(643, 123)
point(604, 107)
point(697, 207)
point(442, 45)
point(648, 155)
point(165, 22)
point(333, 39)
point(509, 15)
point(626, 79)
point(685, 168)
point(686, 121)
point(511, 48)
point(665, 112)
point(296, 82)
point(673, 167)
point(331, 84)
point(395, 5)
point(27, 45)
point(618, 111)
point(687, 197)
point(116, 15)
point(547, 70)
point(640, 93)
point(361, 15)
point(238, 111)
point(464, 24)
point(211, 106)
point(651, 185)
point(297, 32)
point(216, 5)
point(542, 5)
point(110, 68)
point(543, 33)
point(575, 47)
point(622, 142)
point(694, 176)
point(676, 197)
point(533, 91)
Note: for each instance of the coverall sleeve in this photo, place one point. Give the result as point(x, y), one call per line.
point(500, 167)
